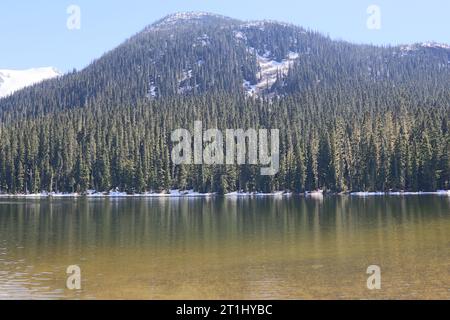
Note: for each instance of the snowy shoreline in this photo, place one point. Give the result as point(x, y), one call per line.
point(376, 194)
point(193, 194)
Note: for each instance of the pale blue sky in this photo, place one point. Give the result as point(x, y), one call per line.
point(33, 33)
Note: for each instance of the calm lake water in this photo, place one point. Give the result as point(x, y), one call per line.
point(267, 248)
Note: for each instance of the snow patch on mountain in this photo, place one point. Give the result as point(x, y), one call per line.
point(202, 41)
point(186, 75)
point(240, 35)
point(269, 71)
point(14, 80)
point(405, 50)
point(184, 83)
point(182, 17)
point(435, 45)
point(262, 24)
point(152, 91)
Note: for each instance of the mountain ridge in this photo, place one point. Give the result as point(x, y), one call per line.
point(185, 23)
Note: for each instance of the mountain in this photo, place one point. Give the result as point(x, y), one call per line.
point(196, 53)
point(14, 80)
point(351, 116)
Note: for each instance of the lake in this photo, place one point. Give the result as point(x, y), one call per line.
point(226, 248)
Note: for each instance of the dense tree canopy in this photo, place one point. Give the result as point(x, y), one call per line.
point(351, 117)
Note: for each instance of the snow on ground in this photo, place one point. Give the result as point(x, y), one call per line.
point(372, 194)
point(186, 75)
point(186, 89)
point(255, 24)
point(408, 48)
point(64, 195)
point(41, 195)
point(153, 90)
point(203, 40)
point(184, 85)
point(193, 194)
point(269, 71)
point(367, 194)
point(293, 55)
point(256, 194)
point(405, 50)
point(14, 80)
point(435, 45)
point(181, 17)
point(240, 35)
point(315, 194)
point(262, 24)
point(170, 194)
point(178, 194)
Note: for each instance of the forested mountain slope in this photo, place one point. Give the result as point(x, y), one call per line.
point(351, 117)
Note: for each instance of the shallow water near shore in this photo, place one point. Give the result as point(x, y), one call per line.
point(226, 248)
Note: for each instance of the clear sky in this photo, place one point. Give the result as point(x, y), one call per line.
point(34, 33)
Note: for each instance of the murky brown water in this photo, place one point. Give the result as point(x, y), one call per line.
point(291, 248)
